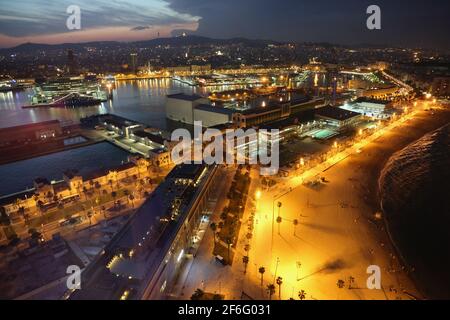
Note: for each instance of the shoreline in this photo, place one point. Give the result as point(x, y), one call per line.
point(425, 123)
point(421, 273)
point(339, 234)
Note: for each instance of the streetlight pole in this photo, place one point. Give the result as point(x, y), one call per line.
point(276, 269)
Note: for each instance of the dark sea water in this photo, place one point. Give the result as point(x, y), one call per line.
point(415, 195)
point(18, 176)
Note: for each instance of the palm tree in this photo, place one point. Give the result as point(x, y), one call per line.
point(39, 205)
point(36, 199)
point(131, 197)
point(85, 191)
point(302, 295)
point(213, 227)
point(49, 196)
point(261, 270)
point(351, 281)
point(89, 215)
point(98, 186)
point(245, 260)
point(21, 211)
point(114, 196)
point(279, 219)
point(279, 283)
point(198, 293)
point(229, 241)
point(295, 225)
point(279, 204)
point(126, 193)
point(270, 290)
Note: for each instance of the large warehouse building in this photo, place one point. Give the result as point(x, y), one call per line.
point(189, 108)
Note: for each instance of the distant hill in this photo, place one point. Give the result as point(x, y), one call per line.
point(173, 41)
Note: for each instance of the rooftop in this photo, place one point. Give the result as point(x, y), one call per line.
point(152, 137)
point(144, 230)
point(183, 96)
point(336, 113)
point(371, 100)
point(210, 108)
point(28, 126)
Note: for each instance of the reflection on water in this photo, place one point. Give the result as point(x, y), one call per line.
point(139, 100)
point(19, 175)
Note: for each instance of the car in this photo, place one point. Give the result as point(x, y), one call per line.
point(221, 260)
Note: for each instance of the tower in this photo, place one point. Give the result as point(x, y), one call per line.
point(133, 62)
point(71, 64)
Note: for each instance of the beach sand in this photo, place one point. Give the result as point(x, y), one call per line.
point(338, 236)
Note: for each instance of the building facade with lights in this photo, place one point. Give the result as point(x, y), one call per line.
point(144, 259)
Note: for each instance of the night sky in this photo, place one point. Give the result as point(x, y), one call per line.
point(412, 23)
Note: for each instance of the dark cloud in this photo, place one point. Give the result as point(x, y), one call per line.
point(140, 28)
point(404, 22)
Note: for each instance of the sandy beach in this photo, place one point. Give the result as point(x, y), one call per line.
point(337, 237)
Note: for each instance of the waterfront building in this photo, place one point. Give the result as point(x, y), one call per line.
point(274, 112)
point(72, 186)
point(374, 108)
point(180, 107)
point(338, 118)
point(379, 93)
point(144, 259)
point(133, 62)
point(41, 131)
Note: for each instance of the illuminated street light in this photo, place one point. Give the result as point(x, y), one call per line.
point(258, 194)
